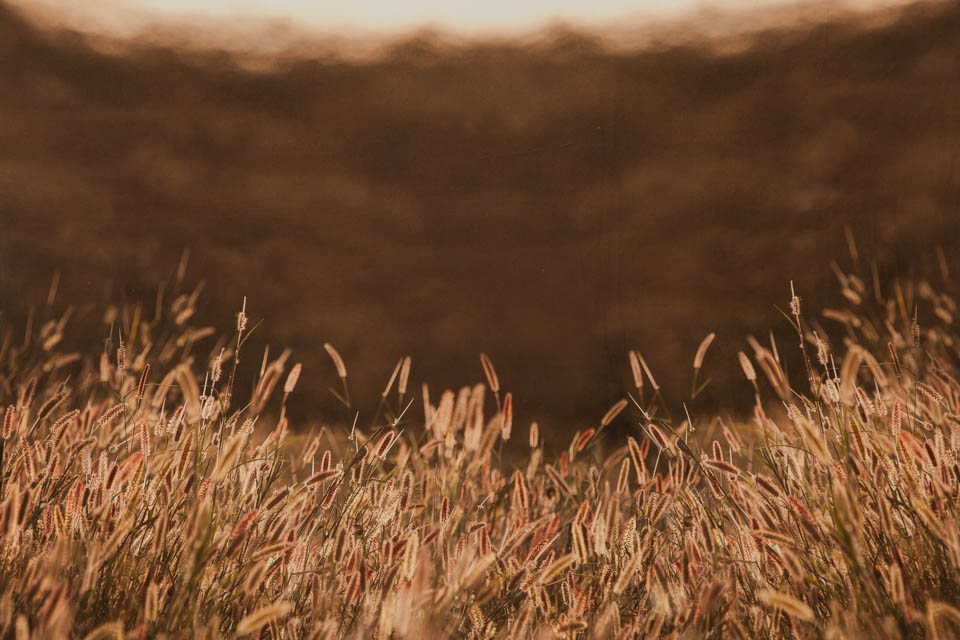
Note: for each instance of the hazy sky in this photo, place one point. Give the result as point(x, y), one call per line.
point(404, 14)
point(394, 15)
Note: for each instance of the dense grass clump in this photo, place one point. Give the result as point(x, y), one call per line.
point(142, 496)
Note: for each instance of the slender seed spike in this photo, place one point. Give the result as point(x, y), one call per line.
point(490, 373)
point(337, 360)
point(702, 350)
point(292, 378)
point(613, 412)
point(404, 376)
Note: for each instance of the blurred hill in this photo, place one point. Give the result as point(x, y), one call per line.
point(553, 204)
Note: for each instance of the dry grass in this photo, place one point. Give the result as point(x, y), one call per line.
point(142, 497)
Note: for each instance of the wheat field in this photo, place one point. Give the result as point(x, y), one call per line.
point(146, 495)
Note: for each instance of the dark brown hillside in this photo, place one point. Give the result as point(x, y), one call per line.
point(551, 205)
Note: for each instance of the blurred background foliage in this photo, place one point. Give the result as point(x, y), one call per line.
point(552, 204)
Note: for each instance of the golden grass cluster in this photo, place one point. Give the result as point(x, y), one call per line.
point(142, 497)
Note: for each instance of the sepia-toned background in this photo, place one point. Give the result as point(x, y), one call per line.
point(552, 202)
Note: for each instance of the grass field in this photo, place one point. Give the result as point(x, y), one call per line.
point(145, 494)
point(443, 379)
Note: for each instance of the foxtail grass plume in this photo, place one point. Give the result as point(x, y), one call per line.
point(490, 373)
point(337, 360)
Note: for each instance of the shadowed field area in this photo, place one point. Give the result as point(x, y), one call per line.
point(551, 205)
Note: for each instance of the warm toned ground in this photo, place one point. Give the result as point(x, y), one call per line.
point(552, 206)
